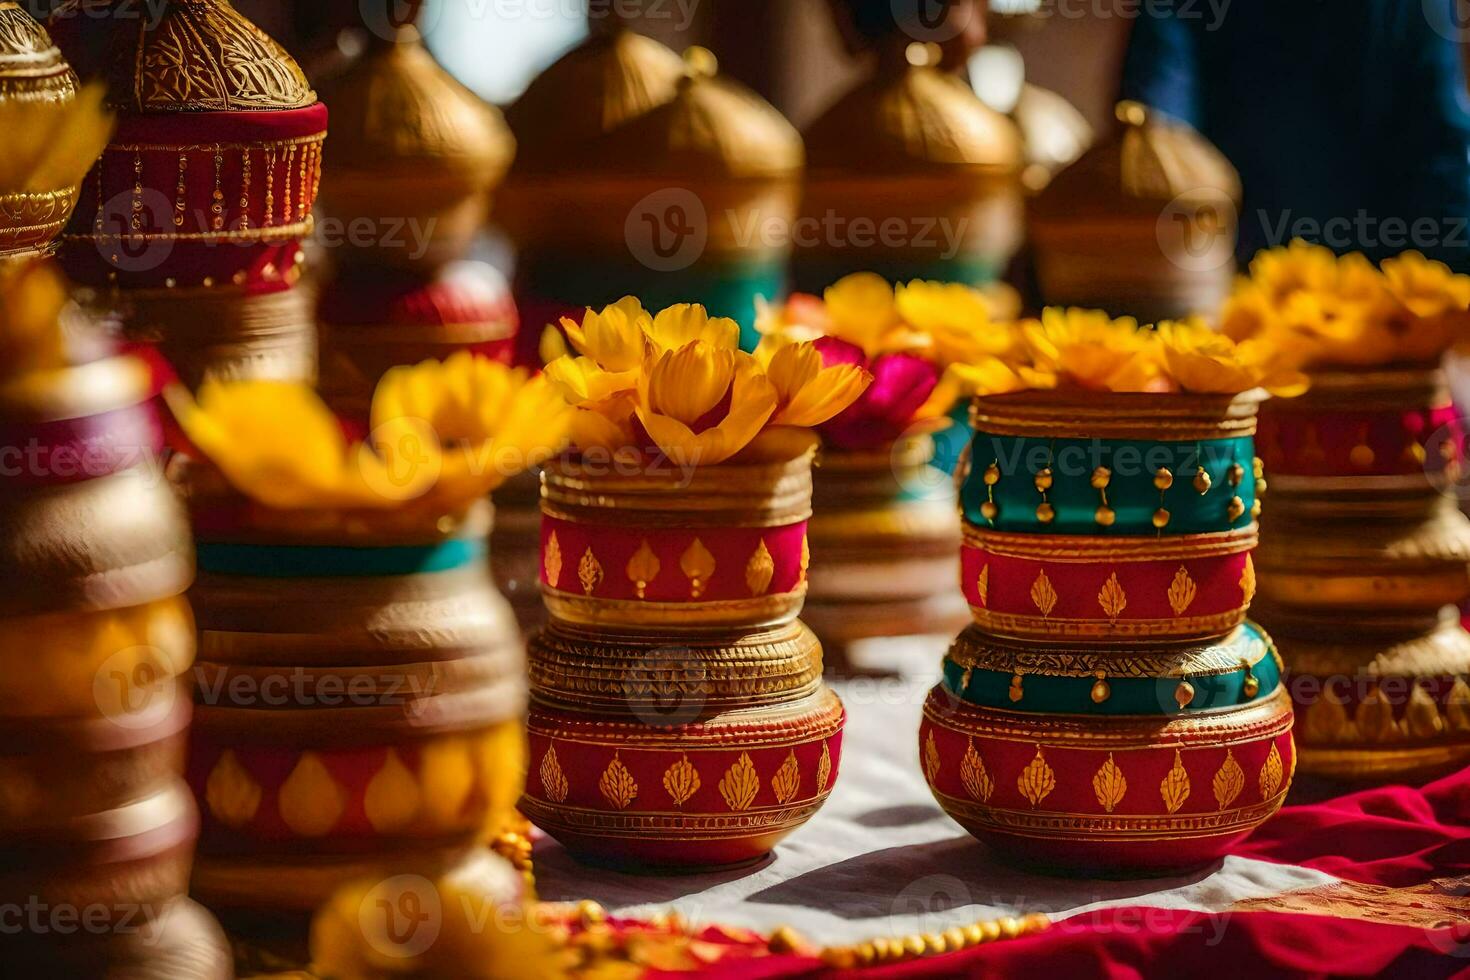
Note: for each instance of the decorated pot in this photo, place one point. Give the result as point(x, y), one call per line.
point(95, 640)
point(885, 528)
point(678, 716)
point(358, 699)
point(1362, 559)
point(1111, 710)
point(193, 217)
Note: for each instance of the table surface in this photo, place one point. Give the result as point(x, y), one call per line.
point(881, 859)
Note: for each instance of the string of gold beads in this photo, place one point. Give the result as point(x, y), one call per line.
point(1101, 691)
point(900, 948)
point(988, 509)
point(1104, 515)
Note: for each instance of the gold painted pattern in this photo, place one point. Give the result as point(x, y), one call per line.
point(931, 757)
point(1269, 779)
point(1175, 785)
point(1181, 591)
point(551, 560)
point(1037, 780)
point(977, 781)
point(553, 780)
point(232, 795)
point(1112, 598)
point(982, 584)
point(1043, 594)
point(740, 783)
point(698, 565)
point(681, 781)
point(617, 785)
point(589, 571)
point(787, 781)
point(824, 768)
point(642, 568)
point(1229, 780)
point(1109, 784)
point(760, 569)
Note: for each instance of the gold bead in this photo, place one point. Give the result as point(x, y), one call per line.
point(954, 938)
point(1100, 689)
point(1261, 487)
point(988, 510)
point(1045, 513)
point(1361, 456)
point(1255, 508)
point(1016, 692)
point(1043, 479)
point(866, 954)
point(590, 912)
point(990, 930)
point(1258, 468)
point(919, 945)
point(974, 934)
point(1184, 693)
point(1235, 474)
point(1252, 686)
point(1202, 482)
point(1235, 509)
point(1163, 479)
point(1100, 478)
point(1010, 926)
point(785, 940)
point(992, 475)
point(1104, 516)
point(1161, 518)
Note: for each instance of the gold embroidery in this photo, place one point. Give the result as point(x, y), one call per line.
point(551, 560)
point(1248, 581)
point(232, 795)
point(310, 800)
point(617, 784)
point(931, 757)
point(589, 571)
point(1109, 784)
point(982, 584)
point(1175, 786)
point(1228, 781)
point(1181, 591)
point(978, 782)
point(642, 568)
point(1036, 780)
point(806, 555)
point(1270, 778)
point(824, 768)
point(787, 781)
point(740, 783)
point(681, 781)
point(698, 565)
point(760, 569)
point(1043, 594)
point(1112, 598)
point(553, 780)
point(392, 797)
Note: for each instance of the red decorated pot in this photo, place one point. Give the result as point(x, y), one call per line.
point(1362, 560)
point(678, 714)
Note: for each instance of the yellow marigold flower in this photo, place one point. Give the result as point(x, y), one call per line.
point(32, 296)
point(1091, 350)
point(957, 318)
point(494, 420)
point(277, 443)
point(863, 310)
point(1293, 268)
point(808, 393)
point(611, 344)
point(684, 323)
point(1200, 360)
point(1427, 288)
point(703, 403)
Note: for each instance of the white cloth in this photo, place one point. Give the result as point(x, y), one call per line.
point(881, 859)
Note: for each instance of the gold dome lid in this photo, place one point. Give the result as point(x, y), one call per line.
point(912, 119)
point(397, 111)
point(195, 55)
point(610, 78)
point(712, 128)
point(31, 66)
point(1148, 162)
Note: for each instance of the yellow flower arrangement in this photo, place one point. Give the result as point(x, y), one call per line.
point(678, 382)
point(1322, 310)
point(444, 435)
point(1087, 349)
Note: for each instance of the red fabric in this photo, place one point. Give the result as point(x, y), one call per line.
point(71, 450)
point(1332, 444)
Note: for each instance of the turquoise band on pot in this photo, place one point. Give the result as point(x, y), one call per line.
point(313, 561)
point(1131, 494)
point(724, 286)
point(1124, 695)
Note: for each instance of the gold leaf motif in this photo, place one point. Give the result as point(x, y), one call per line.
point(740, 783)
point(642, 568)
point(1421, 717)
point(1328, 721)
point(978, 782)
point(553, 780)
point(232, 795)
point(1112, 598)
point(1248, 581)
point(1037, 779)
point(760, 569)
point(1457, 707)
point(1270, 778)
point(806, 555)
point(681, 781)
point(1109, 785)
point(551, 559)
point(982, 584)
point(589, 571)
point(1175, 787)
point(310, 800)
point(1181, 591)
point(931, 757)
point(1375, 719)
point(392, 797)
point(1043, 594)
point(698, 565)
point(1228, 781)
point(787, 781)
point(617, 784)
point(824, 768)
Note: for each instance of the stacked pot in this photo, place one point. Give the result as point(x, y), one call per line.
point(678, 715)
point(1362, 561)
point(1110, 710)
point(359, 696)
point(191, 222)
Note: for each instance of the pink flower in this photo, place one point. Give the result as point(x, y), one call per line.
point(902, 383)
